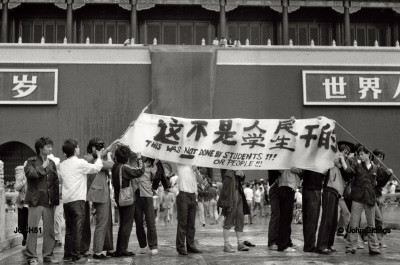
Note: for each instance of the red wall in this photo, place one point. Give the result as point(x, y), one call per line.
point(93, 101)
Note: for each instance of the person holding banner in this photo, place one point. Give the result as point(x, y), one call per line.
point(234, 208)
point(73, 172)
point(288, 182)
point(126, 213)
point(364, 198)
point(312, 194)
point(332, 191)
point(188, 178)
point(145, 205)
point(273, 180)
point(99, 195)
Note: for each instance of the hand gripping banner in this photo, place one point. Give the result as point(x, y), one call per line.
point(236, 143)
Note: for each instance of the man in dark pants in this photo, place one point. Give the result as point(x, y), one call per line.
point(122, 176)
point(144, 205)
point(289, 181)
point(273, 176)
point(86, 231)
point(186, 204)
point(42, 196)
point(99, 195)
point(73, 172)
point(312, 186)
point(333, 190)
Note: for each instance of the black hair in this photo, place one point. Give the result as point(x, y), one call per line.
point(343, 147)
point(122, 154)
point(41, 142)
point(96, 142)
point(69, 147)
point(378, 152)
point(363, 149)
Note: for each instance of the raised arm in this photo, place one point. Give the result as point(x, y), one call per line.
point(199, 177)
point(133, 172)
point(108, 163)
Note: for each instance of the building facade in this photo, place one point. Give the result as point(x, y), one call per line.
point(190, 21)
point(100, 88)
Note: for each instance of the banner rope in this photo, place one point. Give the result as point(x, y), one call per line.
point(365, 147)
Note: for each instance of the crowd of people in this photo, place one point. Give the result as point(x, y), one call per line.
point(354, 184)
point(114, 181)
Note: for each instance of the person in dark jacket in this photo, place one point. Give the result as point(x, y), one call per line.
point(99, 195)
point(364, 197)
point(42, 196)
point(126, 213)
point(234, 208)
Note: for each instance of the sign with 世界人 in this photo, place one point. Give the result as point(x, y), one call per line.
point(351, 88)
point(28, 86)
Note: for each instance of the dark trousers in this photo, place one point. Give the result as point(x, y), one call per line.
point(186, 208)
point(108, 241)
point(274, 219)
point(311, 210)
point(144, 207)
point(126, 216)
point(286, 199)
point(74, 217)
point(102, 223)
point(329, 217)
point(86, 232)
point(23, 221)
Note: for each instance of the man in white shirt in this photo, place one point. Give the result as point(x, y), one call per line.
point(248, 192)
point(186, 206)
point(73, 172)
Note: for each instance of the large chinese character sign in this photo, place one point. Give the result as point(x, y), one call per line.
point(351, 88)
point(28, 86)
point(236, 143)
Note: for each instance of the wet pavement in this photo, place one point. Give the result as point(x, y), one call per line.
point(210, 241)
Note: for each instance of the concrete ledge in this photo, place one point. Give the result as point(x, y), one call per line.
point(73, 54)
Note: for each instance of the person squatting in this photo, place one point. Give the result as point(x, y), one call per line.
point(80, 187)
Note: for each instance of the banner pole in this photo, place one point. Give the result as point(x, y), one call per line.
point(133, 122)
point(365, 147)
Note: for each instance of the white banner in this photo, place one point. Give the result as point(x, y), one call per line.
point(236, 143)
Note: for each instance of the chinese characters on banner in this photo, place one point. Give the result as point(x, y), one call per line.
point(236, 143)
point(351, 88)
point(28, 86)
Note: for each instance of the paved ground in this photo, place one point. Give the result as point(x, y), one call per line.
point(210, 241)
